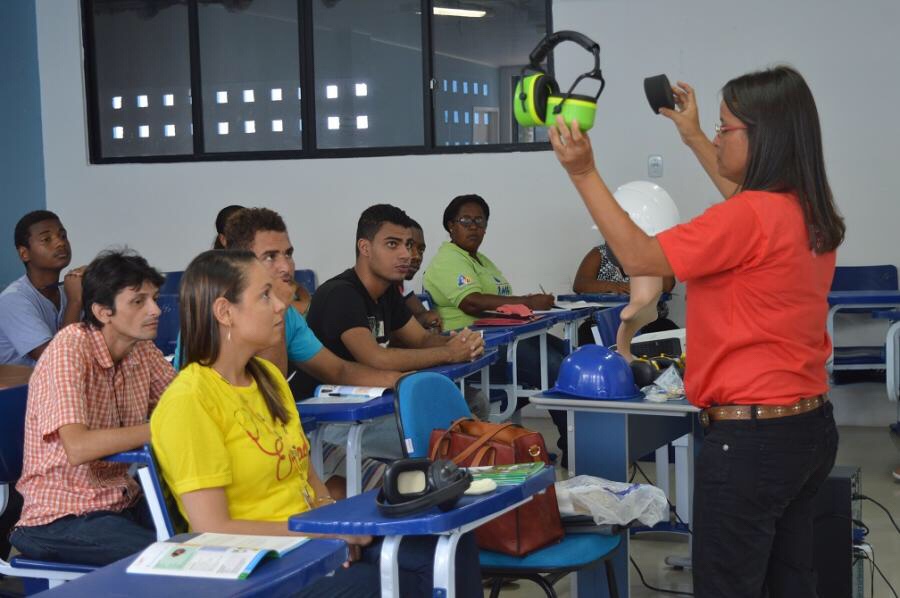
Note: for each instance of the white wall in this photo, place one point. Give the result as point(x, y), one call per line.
point(539, 231)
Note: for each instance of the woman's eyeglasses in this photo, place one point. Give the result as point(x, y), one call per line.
point(467, 222)
point(722, 129)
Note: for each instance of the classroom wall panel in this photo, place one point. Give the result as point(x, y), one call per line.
point(21, 154)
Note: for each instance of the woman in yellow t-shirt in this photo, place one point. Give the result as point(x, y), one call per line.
point(228, 437)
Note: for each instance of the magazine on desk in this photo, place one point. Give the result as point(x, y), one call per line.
point(217, 556)
point(514, 473)
point(329, 394)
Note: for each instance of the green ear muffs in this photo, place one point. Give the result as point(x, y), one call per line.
point(532, 93)
point(575, 107)
point(537, 100)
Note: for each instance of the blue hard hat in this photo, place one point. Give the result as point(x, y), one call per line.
point(595, 372)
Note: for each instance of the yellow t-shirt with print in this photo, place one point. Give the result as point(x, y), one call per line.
point(207, 433)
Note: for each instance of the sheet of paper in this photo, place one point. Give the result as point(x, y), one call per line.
point(328, 400)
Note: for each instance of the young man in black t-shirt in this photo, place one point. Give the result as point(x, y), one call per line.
point(359, 313)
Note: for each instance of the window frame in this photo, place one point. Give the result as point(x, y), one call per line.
point(308, 105)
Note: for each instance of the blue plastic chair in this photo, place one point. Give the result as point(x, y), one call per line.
point(426, 401)
point(606, 324)
point(865, 278)
point(860, 278)
point(169, 323)
point(307, 278)
point(41, 575)
point(171, 284)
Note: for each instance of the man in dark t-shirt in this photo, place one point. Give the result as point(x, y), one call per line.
point(360, 312)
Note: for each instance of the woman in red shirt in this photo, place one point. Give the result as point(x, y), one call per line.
point(757, 268)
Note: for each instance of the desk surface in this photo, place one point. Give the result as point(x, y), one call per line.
point(455, 371)
point(360, 516)
point(636, 406)
point(272, 578)
point(863, 297)
point(544, 322)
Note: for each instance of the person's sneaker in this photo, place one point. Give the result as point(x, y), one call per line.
point(897, 474)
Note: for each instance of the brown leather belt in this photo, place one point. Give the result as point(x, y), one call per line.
point(711, 414)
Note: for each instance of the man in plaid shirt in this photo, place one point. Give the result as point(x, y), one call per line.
point(90, 397)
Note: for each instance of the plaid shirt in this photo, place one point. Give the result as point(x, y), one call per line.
point(76, 382)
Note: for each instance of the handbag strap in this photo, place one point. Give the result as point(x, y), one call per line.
point(479, 442)
point(445, 438)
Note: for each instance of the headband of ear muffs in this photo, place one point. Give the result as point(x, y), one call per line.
point(659, 93)
point(415, 485)
point(537, 100)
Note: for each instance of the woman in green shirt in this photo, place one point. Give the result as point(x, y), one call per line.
point(464, 283)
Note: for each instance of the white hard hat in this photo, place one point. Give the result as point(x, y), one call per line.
point(649, 206)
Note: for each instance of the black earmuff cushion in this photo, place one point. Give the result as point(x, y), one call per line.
point(659, 93)
point(544, 87)
point(445, 484)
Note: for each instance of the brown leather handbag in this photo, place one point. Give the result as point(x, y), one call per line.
point(470, 442)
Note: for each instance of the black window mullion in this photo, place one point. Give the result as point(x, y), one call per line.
point(90, 76)
point(196, 79)
point(307, 76)
point(551, 63)
point(428, 89)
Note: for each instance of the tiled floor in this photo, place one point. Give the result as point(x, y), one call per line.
point(871, 449)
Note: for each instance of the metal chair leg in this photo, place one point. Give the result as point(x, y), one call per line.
point(611, 579)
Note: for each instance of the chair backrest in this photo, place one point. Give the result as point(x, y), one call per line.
point(426, 299)
point(12, 432)
point(169, 323)
point(607, 322)
point(158, 498)
point(865, 278)
point(426, 401)
point(171, 284)
point(307, 278)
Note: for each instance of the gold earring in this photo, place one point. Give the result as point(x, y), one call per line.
point(228, 337)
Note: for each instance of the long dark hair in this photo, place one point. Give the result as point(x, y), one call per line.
point(785, 142)
point(213, 274)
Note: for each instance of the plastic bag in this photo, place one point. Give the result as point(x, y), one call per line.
point(610, 502)
point(667, 387)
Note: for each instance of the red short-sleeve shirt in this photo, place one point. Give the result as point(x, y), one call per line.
point(757, 301)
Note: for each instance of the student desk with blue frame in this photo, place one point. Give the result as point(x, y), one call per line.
point(272, 578)
point(359, 415)
point(618, 432)
point(360, 516)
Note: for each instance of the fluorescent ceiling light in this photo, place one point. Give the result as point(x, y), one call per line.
point(458, 12)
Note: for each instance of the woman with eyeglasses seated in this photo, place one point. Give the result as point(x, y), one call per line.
point(464, 284)
point(228, 437)
point(758, 267)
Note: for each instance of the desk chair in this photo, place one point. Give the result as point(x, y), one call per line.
point(307, 278)
point(41, 575)
point(169, 323)
point(859, 278)
point(426, 401)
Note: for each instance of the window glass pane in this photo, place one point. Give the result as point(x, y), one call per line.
point(141, 53)
point(250, 70)
point(368, 72)
point(481, 49)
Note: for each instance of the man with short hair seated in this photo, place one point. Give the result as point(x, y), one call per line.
point(360, 313)
point(89, 397)
point(33, 308)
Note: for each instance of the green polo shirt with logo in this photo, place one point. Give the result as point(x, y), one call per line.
point(453, 275)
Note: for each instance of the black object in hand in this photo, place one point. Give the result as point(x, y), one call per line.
point(659, 93)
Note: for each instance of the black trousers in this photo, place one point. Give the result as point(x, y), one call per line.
point(754, 485)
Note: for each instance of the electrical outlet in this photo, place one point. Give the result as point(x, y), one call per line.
point(655, 166)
